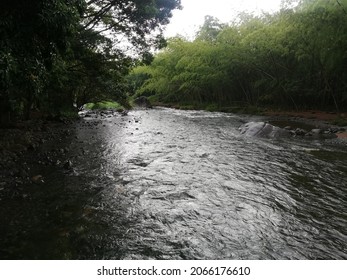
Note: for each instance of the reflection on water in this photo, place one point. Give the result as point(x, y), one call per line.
point(168, 184)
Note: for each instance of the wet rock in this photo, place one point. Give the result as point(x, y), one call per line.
point(300, 132)
point(37, 179)
point(316, 131)
point(68, 165)
point(262, 129)
point(143, 101)
point(32, 146)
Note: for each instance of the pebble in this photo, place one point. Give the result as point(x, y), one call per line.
point(68, 164)
point(316, 131)
point(37, 179)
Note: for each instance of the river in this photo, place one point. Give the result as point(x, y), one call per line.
point(170, 184)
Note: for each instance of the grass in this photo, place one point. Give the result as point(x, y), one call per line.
point(104, 105)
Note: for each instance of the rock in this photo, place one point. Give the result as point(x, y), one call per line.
point(32, 146)
point(143, 101)
point(333, 129)
point(288, 128)
point(300, 132)
point(262, 129)
point(316, 131)
point(37, 179)
point(68, 165)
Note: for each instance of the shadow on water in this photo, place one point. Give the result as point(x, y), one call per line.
point(168, 184)
point(67, 216)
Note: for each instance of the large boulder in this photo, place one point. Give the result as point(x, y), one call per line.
point(263, 129)
point(143, 101)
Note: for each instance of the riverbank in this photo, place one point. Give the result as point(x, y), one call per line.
point(337, 122)
point(27, 146)
point(329, 121)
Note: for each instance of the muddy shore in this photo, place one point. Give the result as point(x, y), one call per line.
point(314, 119)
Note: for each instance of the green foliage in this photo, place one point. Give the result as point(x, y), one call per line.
point(210, 29)
point(293, 59)
point(54, 53)
point(104, 105)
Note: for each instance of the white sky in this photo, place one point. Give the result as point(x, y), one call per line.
point(187, 21)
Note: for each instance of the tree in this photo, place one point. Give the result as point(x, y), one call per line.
point(210, 29)
point(32, 33)
point(294, 59)
point(129, 20)
point(55, 52)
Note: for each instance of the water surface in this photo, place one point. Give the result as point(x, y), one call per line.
point(169, 184)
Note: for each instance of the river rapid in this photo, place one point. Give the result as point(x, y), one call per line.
point(170, 184)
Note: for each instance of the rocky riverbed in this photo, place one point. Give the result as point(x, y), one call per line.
point(28, 148)
point(25, 147)
point(306, 121)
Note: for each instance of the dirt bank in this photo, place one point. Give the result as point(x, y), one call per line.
point(317, 119)
point(326, 116)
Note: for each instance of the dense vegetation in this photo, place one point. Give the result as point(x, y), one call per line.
point(54, 53)
point(295, 59)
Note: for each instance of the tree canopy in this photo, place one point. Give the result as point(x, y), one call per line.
point(295, 58)
point(54, 53)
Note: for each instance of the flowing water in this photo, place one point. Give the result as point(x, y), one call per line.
point(169, 184)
